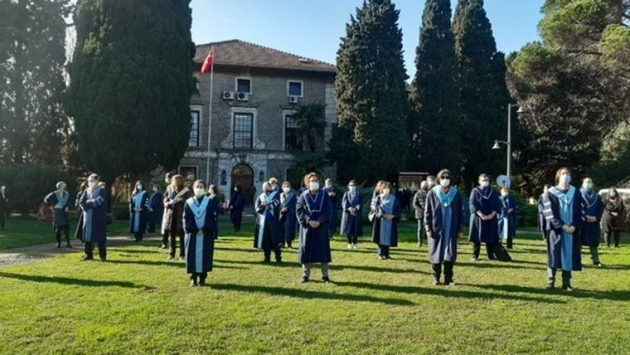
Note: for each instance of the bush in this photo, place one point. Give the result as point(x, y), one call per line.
point(527, 214)
point(27, 185)
point(120, 210)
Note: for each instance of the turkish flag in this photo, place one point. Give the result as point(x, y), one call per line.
point(207, 64)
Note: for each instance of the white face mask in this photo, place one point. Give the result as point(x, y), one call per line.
point(313, 186)
point(139, 187)
point(91, 184)
point(155, 189)
point(504, 194)
point(430, 183)
point(445, 182)
point(286, 190)
point(352, 188)
point(485, 183)
point(386, 192)
point(199, 191)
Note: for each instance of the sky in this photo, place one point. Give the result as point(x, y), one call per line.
point(312, 28)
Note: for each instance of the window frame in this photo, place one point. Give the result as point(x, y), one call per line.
point(234, 131)
point(243, 78)
point(301, 82)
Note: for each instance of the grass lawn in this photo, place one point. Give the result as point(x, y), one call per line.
point(138, 303)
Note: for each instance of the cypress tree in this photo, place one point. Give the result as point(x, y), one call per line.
point(435, 96)
point(371, 141)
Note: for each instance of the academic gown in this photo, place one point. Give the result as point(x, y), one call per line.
point(215, 214)
point(314, 243)
point(94, 205)
point(138, 220)
point(79, 232)
point(288, 219)
point(237, 202)
point(332, 226)
point(199, 228)
point(507, 221)
point(487, 201)
point(560, 208)
point(542, 223)
point(444, 215)
point(352, 225)
point(59, 205)
point(388, 230)
point(269, 232)
point(592, 205)
point(157, 206)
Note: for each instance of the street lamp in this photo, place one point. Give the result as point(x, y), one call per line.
point(508, 143)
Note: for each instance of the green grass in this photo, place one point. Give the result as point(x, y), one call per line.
point(138, 303)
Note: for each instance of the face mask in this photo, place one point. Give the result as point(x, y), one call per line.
point(588, 186)
point(313, 186)
point(485, 183)
point(155, 189)
point(430, 183)
point(139, 187)
point(613, 194)
point(445, 182)
point(504, 194)
point(199, 191)
point(565, 179)
point(91, 184)
point(286, 190)
point(352, 188)
point(386, 192)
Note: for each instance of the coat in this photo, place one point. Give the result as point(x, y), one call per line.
point(388, 230)
point(563, 249)
point(94, 205)
point(59, 205)
point(612, 223)
point(419, 201)
point(174, 211)
point(314, 242)
point(444, 216)
point(485, 200)
point(352, 226)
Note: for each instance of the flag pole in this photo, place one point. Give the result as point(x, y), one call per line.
point(210, 118)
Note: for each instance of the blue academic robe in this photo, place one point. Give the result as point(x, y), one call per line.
point(199, 239)
point(560, 208)
point(156, 205)
point(314, 243)
point(332, 226)
point(592, 205)
point(352, 226)
point(269, 231)
point(444, 215)
point(59, 204)
point(216, 213)
point(487, 201)
point(288, 219)
point(507, 221)
point(138, 220)
point(237, 202)
point(94, 205)
point(388, 230)
point(79, 232)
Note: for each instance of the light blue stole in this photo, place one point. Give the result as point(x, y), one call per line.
point(566, 214)
point(387, 206)
point(445, 200)
point(199, 209)
point(61, 200)
point(137, 202)
point(266, 214)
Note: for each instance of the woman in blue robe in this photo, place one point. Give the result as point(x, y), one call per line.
point(387, 210)
point(269, 235)
point(484, 208)
point(156, 206)
point(563, 212)
point(352, 217)
point(94, 205)
point(59, 201)
point(199, 220)
point(444, 222)
point(288, 219)
point(138, 211)
point(314, 211)
point(507, 218)
point(236, 206)
point(593, 207)
point(332, 194)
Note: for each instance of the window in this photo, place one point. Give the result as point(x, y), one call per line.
point(244, 85)
point(193, 140)
point(243, 130)
point(189, 173)
point(292, 136)
point(295, 88)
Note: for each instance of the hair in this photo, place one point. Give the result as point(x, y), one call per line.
point(379, 186)
point(135, 187)
point(386, 184)
point(266, 184)
point(352, 182)
point(431, 177)
point(94, 177)
point(424, 185)
point(587, 178)
point(484, 176)
point(559, 172)
point(177, 182)
point(309, 176)
point(286, 183)
point(83, 185)
point(328, 180)
point(59, 184)
point(273, 181)
point(212, 188)
point(169, 175)
point(444, 172)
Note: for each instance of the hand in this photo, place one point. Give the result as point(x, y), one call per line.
point(565, 228)
point(614, 213)
point(571, 230)
point(510, 210)
point(150, 209)
point(591, 219)
point(313, 224)
point(284, 209)
point(430, 234)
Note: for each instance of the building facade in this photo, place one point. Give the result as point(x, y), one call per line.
point(247, 134)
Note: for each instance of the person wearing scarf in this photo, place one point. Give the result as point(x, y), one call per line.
point(138, 211)
point(269, 236)
point(199, 212)
point(94, 204)
point(444, 222)
point(593, 207)
point(563, 212)
point(388, 212)
point(288, 220)
point(352, 217)
point(59, 201)
point(484, 208)
point(173, 226)
point(613, 218)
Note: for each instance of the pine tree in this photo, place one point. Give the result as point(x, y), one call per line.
point(131, 82)
point(435, 97)
point(371, 140)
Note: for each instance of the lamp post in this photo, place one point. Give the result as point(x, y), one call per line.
point(508, 143)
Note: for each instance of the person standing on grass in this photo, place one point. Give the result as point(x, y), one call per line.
point(213, 193)
point(387, 211)
point(236, 206)
point(173, 215)
point(59, 201)
point(314, 211)
point(563, 211)
point(375, 221)
point(593, 210)
point(95, 213)
point(288, 220)
point(542, 222)
point(269, 235)
point(613, 218)
point(444, 222)
point(199, 226)
point(79, 232)
point(332, 194)
point(155, 208)
point(4, 201)
point(507, 218)
point(419, 201)
point(168, 193)
point(352, 217)
point(138, 210)
point(484, 206)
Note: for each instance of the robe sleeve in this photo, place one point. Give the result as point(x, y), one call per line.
point(472, 203)
point(327, 210)
point(600, 209)
point(463, 217)
point(397, 210)
point(428, 211)
point(260, 208)
point(578, 212)
point(345, 203)
point(497, 203)
point(209, 225)
point(190, 225)
point(49, 199)
point(550, 212)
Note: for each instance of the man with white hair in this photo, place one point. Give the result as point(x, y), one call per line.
point(59, 200)
point(269, 236)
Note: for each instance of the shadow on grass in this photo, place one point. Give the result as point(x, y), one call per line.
point(305, 294)
point(71, 281)
point(243, 250)
point(446, 291)
point(500, 265)
point(179, 264)
point(577, 293)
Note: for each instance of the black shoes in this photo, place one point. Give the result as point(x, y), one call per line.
point(305, 279)
point(326, 280)
point(568, 288)
point(86, 258)
point(550, 285)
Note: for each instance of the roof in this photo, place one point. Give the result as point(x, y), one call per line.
point(245, 54)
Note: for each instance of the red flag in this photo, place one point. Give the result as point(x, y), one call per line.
point(207, 64)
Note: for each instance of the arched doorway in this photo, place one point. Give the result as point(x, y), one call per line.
point(243, 175)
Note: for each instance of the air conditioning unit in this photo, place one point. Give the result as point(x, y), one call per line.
point(228, 95)
point(242, 96)
point(293, 99)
